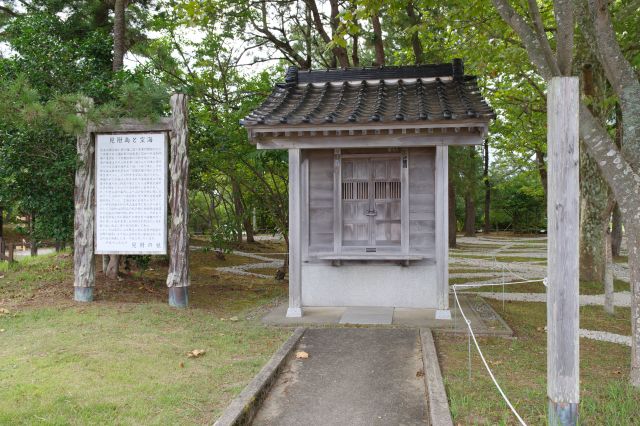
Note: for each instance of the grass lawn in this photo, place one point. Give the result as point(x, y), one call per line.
point(519, 365)
point(122, 359)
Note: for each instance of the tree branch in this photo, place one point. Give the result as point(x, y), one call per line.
point(528, 37)
point(563, 11)
point(538, 26)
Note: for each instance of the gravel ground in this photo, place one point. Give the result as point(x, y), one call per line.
point(621, 298)
point(605, 336)
point(530, 270)
point(266, 262)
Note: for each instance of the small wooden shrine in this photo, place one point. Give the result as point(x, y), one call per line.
point(368, 179)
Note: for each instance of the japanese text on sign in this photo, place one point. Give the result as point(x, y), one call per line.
point(131, 194)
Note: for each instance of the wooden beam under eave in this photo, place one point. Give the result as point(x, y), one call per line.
point(164, 124)
point(371, 141)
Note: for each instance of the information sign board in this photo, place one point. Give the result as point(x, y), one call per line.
point(131, 193)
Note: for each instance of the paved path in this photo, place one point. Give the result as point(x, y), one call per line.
point(353, 376)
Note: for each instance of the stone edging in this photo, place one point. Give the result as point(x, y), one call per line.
point(244, 407)
point(439, 413)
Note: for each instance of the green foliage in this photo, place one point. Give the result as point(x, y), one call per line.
point(223, 237)
point(518, 202)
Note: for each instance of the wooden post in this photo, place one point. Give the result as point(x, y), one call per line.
point(178, 277)
point(3, 248)
point(11, 247)
point(295, 272)
point(442, 230)
point(84, 268)
point(563, 351)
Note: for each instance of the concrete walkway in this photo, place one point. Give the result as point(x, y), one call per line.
point(484, 320)
point(353, 376)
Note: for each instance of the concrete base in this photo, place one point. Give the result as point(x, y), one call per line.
point(294, 313)
point(178, 297)
point(364, 315)
point(443, 314)
point(563, 414)
point(370, 284)
point(83, 294)
point(484, 320)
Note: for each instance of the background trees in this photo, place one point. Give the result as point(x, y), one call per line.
point(227, 54)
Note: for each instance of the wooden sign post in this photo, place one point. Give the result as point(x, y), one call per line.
point(178, 277)
point(563, 310)
point(124, 212)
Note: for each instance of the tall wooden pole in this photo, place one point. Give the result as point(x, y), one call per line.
point(178, 277)
point(563, 350)
point(442, 230)
point(295, 271)
point(84, 268)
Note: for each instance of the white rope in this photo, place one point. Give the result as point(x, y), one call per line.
point(455, 287)
point(496, 284)
point(504, 266)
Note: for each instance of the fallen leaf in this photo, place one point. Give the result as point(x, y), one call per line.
point(617, 372)
point(2, 330)
point(302, 355)
point(233, 319)
point(182, 365)
point(196, 353)
point(420, 373)
point(4, 311)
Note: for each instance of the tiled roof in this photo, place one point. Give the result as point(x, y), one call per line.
point(420, 93)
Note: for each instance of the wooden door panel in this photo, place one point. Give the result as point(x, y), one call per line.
point(371, 201)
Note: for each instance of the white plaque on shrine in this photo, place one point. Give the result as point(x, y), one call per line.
point(131, 193)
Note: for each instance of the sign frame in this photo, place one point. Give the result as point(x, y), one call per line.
point(165, 237)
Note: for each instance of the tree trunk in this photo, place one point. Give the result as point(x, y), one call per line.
point(119, 48)
point(241, 212)
point(470, 215)
point(178, 274)
point(32, 228)
point(595, 198)
point(487, 189)
point(633, 242)
point(113, 267)
point(84, 265)
point(238, 207)
point(418, 53)
point(1, 222)
point(378, 41)
point(542, 170)
point(608, 275)
point(355, 56)
point(340, 53)
point(616, 231)
point(119, 30)
point(594, 194)
point(453, 227)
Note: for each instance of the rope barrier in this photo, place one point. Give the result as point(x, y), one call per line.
point(475, 341)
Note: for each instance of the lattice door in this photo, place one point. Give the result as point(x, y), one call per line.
point(371, 201)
